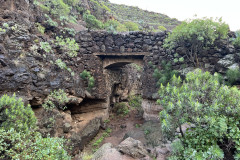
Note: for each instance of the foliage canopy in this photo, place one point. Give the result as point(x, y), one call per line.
point(196, 35)
point(212, 109)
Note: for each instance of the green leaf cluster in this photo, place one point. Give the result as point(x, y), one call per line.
point(92, 21)
point(56, 99)
point(13, 114)
point(196, 36)
point(18, 136)
point(101, 5)
point(213, 109)
point(232, 76)
point(121, 108)
point(18, 145)
point(114, 26)
point(63, 65)
point(236, 41)
point(85, 75)
point(131, 26)
point(40, 28)
point(46, 47)
point(165, 74)
point(68, 46)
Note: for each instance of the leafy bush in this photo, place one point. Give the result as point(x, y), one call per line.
point(18, 145)
point(161, 28)
point(135, 101)
point(13, 114)
point(92, 21)
point(56, 8)
point(90, 79)
point(131, 26)
point(236, 41)
point(165, 74)
point(50, 21)
point(63, 65)
point(46, 47)
point(2, 30)
point(195, 36)
point(232, 76)
point(101, 5)
point(5, 25)
point(18, 139)
point(114, 26)
point(122, 108)
point(40, 28)
point(212, 109)
point(70, 31)
point(68, 46)
point(56, 99)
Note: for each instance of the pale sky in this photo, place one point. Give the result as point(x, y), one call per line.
point(229, 10)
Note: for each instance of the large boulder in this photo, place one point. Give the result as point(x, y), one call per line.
point(107, 152)
point(225, 62)
point(133, 148)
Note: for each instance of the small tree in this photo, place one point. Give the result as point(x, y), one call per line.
point(14, 114)
point(213, 109)
point(196, 36)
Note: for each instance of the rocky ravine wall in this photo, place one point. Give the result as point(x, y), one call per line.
point(26, 72)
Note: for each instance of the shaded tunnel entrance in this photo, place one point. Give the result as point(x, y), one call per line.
point(123, 74)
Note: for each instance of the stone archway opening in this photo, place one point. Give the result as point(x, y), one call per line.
point(122, 75)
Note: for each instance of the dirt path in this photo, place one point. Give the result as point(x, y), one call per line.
point(121, 125)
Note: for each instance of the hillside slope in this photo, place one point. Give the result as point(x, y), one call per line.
point(102, 14)
point(142, 17)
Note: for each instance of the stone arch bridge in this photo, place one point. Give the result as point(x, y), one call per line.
point(118, 60)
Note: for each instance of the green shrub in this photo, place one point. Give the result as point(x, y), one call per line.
point(68, 46)
point(232, 76)
point(63, 65)
point(56, 99)
point(131, 26)
point(18, 136)
point(101, 5)
point(212, 109)
point(114, 26)
point(46, 47)
point(165, 74)
point(122, 108)
point(196, 36)
point(236, 41)
point(13, 114)
point(2, 30)
point(70, 31)
point(40, 28)
point(18, 145)
point(135, 101)
point(161, 28)
point(5, 25)
point(50, 21)
point(85, 75)
point(92, 21)
point(56, 8)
